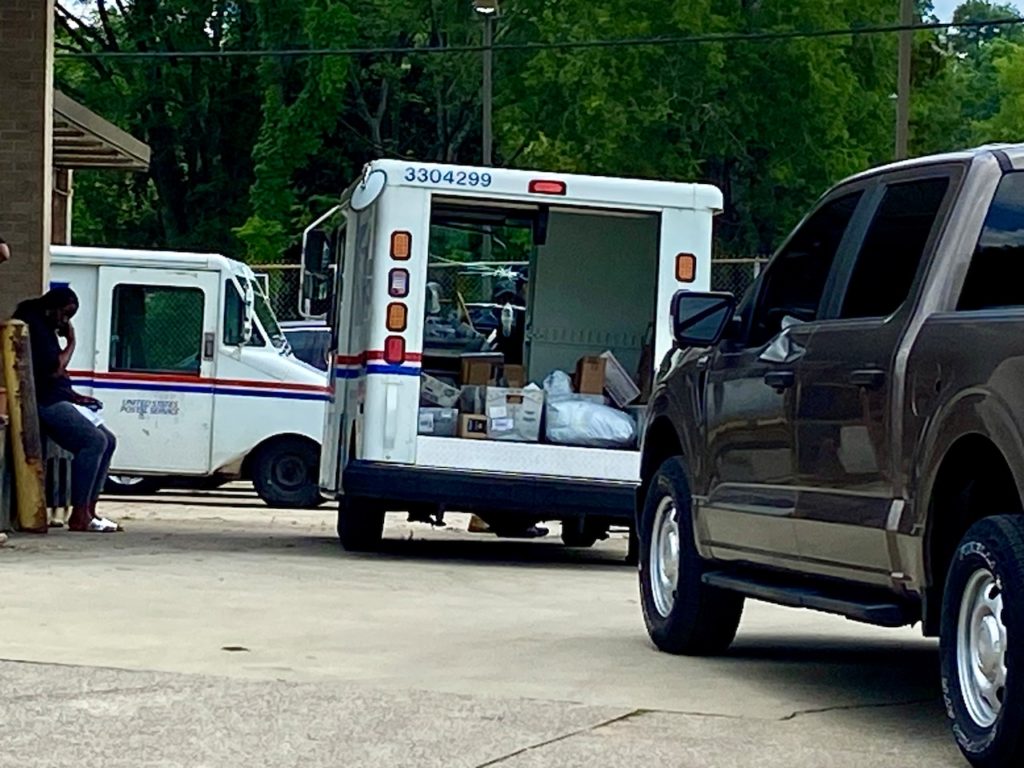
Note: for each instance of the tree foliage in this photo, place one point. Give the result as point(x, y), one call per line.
point(245, 150)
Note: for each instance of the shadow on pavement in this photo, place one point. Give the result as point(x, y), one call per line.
point(878, 685)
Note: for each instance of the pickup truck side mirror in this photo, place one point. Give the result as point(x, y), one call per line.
point(700, 319)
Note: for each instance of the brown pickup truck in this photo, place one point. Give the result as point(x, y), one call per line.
point(850, 436)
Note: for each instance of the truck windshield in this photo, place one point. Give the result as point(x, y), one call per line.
point(267, 318)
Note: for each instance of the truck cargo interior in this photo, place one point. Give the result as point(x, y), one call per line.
point(527, 305)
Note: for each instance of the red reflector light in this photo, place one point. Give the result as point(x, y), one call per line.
point(547, 187)
point(398, 283)
point(686, 267)
point(394, 350)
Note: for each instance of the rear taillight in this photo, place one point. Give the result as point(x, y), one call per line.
point(394, 350)
point(401, 245)
point(397, 317)
point(686, 267)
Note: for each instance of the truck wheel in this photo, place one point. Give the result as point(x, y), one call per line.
point(683, 615)
point(131, 485)
point(285, 474)
point(581, 532)
point(360, 524)
point(982, 643)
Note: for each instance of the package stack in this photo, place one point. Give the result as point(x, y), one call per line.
point(492, 401)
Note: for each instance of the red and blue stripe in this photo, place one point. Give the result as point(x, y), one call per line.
point(185, 384)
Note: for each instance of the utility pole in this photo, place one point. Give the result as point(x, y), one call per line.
point(488, 90)
point(903, 80)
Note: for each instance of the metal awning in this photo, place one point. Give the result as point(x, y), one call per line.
point(83, 139)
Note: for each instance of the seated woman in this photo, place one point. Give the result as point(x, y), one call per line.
point(59, 417)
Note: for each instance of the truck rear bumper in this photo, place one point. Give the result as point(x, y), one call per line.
point(545, 498)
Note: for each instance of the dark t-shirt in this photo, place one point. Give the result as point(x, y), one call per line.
point(46, 350)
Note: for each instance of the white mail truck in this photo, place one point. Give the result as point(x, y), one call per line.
point(194, 373)
point(574, 266)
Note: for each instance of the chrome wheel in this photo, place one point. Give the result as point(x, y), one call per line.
point(665, 557)
point(127, 480)
point(981, 648)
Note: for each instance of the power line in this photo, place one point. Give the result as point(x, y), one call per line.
point(626, 42)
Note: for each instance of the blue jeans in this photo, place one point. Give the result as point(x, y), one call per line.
point(92, 447)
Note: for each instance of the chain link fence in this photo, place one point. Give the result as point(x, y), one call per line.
point(735, 275)
point(475, 283)
point(282, 284)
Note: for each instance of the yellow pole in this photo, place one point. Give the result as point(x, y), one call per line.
point(26, 445)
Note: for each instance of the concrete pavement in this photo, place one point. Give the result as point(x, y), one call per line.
point(216, 632)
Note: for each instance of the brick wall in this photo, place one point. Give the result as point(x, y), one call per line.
point(26, 117)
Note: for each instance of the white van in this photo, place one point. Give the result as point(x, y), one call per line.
point(195, 376)
point(591, 266)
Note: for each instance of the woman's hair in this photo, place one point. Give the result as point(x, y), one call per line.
point(58, 298)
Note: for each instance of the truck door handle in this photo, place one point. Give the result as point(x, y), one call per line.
point(780, 380)
point(868, 378)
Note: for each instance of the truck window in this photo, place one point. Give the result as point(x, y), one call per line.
point(996, 274)
point(477, 273)
point(795, 280)
point(234, 317)
point(893, 247)
point(156, 329)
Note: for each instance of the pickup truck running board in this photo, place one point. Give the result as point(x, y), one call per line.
point(803, 595)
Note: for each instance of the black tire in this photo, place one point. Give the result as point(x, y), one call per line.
point(285, 474)
point(131, 485)
point(581, 532)
point(699, 620)
point(993, 547)
point(360, 524)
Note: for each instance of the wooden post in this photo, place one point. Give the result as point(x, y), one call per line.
point(26, 445)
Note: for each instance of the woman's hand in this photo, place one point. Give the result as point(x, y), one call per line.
point(87, 402)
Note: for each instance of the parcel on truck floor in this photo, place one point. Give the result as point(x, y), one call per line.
point(495, 333)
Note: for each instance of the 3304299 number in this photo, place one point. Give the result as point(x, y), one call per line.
point(452, 178)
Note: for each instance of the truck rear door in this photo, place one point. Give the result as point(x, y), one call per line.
point(155, 346)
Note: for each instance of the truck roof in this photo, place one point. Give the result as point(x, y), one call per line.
point(123, 257)
point(577, 189)
point(1014, 152)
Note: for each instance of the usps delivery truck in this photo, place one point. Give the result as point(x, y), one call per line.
point(596, 263)
point(195, 375)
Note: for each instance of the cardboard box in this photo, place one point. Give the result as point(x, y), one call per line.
point(514, 414)
point(439, 422)
point(590, 375)
point(513, 376)
point(435, 393)
point(617, 383)
point(473, 400)
point(480, 368)
point(473, 426)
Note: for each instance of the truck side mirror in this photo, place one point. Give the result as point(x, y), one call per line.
point(249, 310)
point(700, 319)
point(316, 252)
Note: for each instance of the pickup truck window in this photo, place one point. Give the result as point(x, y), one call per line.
point(795, 280)
point(892, 250)
point(996, 274)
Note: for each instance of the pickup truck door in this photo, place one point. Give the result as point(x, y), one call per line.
point(848, 379)
point(750, 400)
